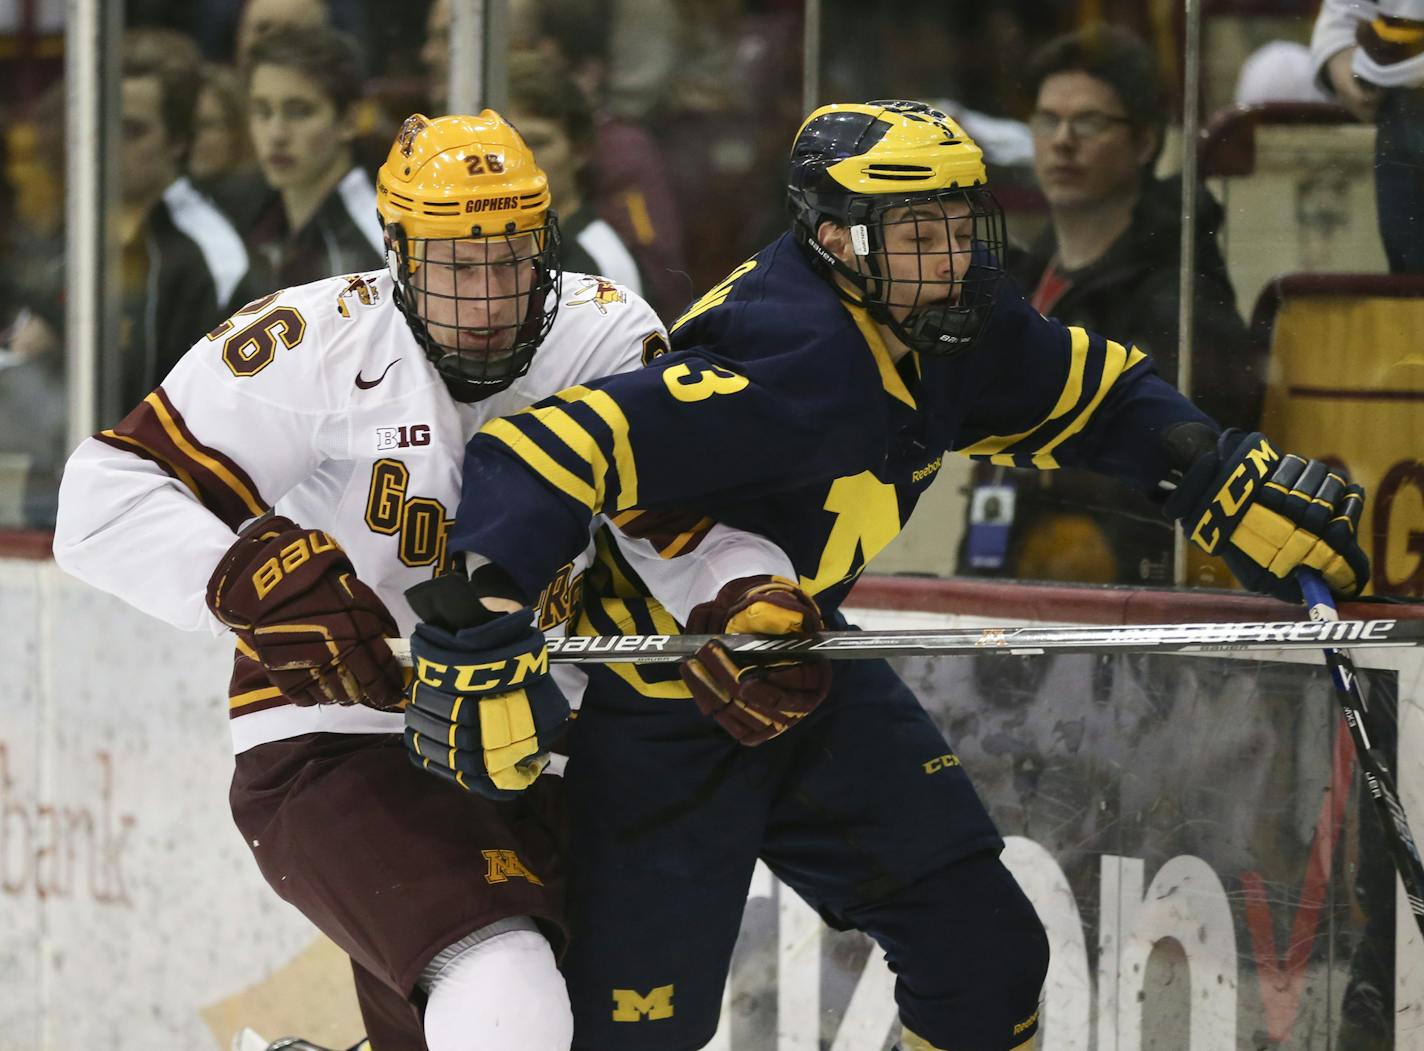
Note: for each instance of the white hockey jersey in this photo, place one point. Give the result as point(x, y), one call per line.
point(316, 400)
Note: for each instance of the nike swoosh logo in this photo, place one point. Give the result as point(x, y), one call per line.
point(365, 384)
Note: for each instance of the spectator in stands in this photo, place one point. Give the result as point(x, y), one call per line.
point(1371, 57)
point(556, 122)
point(260, 17)
point(1109, 261)
point(630, 187)
point(182, 262)
point(32, 422)
point(221, 145)
point(311, 213)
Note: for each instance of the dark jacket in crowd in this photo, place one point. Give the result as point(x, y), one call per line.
point(1130, 294)
point(343, 236)
point(182, 273)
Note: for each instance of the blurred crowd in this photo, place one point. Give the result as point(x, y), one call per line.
point(249, 132)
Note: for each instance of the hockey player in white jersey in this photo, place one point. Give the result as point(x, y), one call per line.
point(291, 478)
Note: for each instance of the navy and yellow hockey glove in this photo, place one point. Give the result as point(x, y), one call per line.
point(1268, 515)
point(483, 706)
point(755, 702)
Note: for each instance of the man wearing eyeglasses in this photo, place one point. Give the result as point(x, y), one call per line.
point(1108, 259)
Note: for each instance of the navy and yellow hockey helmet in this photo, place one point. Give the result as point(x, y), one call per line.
point(867, 166)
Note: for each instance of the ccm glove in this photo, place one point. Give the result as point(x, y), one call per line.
point(292, 598)
point(755, 702)
point(1268, 515)
point(483, 706)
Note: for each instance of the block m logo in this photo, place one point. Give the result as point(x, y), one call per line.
point(629, 1005)
point(505, 863)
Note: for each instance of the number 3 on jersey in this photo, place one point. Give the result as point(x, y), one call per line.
point(686, 385)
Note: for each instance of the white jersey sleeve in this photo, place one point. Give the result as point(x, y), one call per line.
point(1334, 31)
point(148, 507)
point(682, 580)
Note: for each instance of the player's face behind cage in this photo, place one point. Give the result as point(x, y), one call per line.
point(932, 265)
point(481, 301)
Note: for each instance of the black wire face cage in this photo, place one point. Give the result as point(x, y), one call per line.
point(479, 306)
point(928, 264)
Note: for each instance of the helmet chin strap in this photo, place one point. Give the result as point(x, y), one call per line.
point(941, 325)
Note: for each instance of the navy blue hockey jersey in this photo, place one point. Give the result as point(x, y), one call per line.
point(780, 411)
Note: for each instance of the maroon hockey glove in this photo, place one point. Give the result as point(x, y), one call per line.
point(292, 598)
point(755, 702)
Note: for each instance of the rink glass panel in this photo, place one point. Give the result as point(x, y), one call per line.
point(32, 231)
point(1204, 804)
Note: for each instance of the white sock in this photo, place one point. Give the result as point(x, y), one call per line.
point(498, 988)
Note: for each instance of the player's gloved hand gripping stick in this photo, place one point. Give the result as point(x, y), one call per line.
point(756, 701)
point(292, 598)
point(483, 706)
point(1266, 514)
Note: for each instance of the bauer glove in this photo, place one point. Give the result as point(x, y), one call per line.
point(291, 597)
point(1268, 515)
point(755, 702)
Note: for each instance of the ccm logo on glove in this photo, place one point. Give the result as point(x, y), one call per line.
point(487, 677)
point(1254, 467)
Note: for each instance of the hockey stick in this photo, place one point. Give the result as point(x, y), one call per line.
point(1016, 641)
point(1373, 764)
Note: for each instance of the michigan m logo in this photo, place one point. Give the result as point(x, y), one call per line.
point(505, 863)
point(629, 1005)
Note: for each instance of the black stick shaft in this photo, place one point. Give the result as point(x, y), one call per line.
point(1373, 764)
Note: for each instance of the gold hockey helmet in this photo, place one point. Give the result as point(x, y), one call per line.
point(472, 244)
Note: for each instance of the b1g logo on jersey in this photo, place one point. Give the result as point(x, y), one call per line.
point(388, 438)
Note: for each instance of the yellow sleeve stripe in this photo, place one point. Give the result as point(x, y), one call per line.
point(579, 442)
point(676, 546)
point(198, 456)
point(182, 475)
point(1115, 359)
point(612, 416)
point(1071, 394)
point(543, 464)
point(237, 700)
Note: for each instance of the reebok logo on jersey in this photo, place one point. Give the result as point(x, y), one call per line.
point(366, 384)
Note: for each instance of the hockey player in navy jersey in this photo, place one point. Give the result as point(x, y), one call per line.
point(809, 399)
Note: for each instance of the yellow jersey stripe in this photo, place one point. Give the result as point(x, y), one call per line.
point(183, 476)
point(247, 496)
point(579, 442)
point(1114, 364)
point(612, 416)
point(237, 700)
point(1071, 394)
point(679, 543)
point(542, 463)
point(889, 375)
